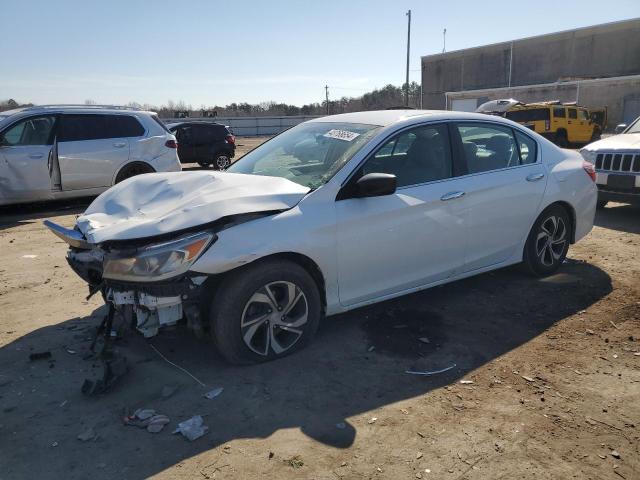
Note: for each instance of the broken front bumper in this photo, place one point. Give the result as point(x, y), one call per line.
point(149, 305)
point(158, 305)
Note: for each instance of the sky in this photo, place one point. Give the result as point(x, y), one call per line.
point(217, 52)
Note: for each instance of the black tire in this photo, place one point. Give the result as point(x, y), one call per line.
point(548, 242)
point(222, 161)
point(561, 139)
point(234, 305)
point(597, 134)
point(601, 204)
point(132, 170)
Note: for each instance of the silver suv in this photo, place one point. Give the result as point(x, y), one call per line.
point(62, 151)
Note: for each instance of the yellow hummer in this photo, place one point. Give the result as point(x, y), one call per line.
point(562, 123)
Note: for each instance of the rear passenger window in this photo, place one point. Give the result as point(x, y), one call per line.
point(124, 126)
point(219, 133)
point(201, 134)
point(77, 128)
point(528, 149)
point(417, 156)
point(488, 147)
point(559, 112)
point(573, 113)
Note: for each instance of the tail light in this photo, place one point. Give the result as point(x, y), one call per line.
point(590, 169)
point(171, 144)
point(231, 139)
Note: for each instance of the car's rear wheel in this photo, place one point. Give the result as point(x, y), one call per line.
point(265, 311)
point(548, 241)
point(132, 170)
point(222, 161)
point(561, 139)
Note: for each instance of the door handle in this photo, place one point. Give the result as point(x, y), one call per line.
point(451, 196)
point(35, 155)
point(534, 177)
point(119, 145)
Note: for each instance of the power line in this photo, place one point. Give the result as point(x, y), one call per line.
point(406, 88)
point(326, 91)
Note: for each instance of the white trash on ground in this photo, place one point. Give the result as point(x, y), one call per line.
point(193, 428)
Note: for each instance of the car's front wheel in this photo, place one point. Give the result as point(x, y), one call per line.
point(548, 241)
point(265, 311)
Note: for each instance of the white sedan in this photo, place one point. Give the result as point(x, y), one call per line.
point(393, 202)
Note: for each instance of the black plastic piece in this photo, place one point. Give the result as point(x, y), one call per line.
point(376, 185)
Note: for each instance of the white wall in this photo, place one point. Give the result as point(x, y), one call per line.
point(252, 126)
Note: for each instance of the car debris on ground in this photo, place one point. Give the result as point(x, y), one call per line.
point(148, 419)
point(193, 428)
point(40, 356)
point(213, 393)
point(429, 373)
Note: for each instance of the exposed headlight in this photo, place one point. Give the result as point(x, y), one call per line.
point(157, 262)
point(588, 155)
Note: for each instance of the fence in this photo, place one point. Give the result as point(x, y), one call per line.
point(252, 126)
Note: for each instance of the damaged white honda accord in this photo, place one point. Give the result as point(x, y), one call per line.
point(335, 213)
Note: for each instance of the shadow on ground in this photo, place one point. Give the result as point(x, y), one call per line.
point(620, 217)
point(15, 215)
point(356, 364)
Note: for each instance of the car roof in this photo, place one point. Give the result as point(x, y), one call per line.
point(39, 109)
point(385, 118)
point(194, 122)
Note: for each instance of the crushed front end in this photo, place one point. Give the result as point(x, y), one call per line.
point(147, 280)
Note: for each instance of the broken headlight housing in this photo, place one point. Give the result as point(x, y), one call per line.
point(157, 262)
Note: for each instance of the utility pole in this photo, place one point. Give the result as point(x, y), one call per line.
point(326, 94)
point(444, 40)
point(406, 86)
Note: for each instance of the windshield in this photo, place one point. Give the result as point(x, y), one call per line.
point(308, 154)
point(635, 127)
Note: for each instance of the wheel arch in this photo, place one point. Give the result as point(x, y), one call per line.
point(570, 211)
point(310, 266)
point(127, 165)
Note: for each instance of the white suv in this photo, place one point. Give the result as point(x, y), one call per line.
point(63, 151)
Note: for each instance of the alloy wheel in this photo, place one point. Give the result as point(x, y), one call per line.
point(273, 318)
point(551, 240)
point(222, 162)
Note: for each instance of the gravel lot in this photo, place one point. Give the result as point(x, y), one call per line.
point(546, 382)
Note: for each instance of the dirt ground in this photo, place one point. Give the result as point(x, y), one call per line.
point(545, 385)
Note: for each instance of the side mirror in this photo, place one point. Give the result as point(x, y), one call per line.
point(376, 185)
point(621, 127)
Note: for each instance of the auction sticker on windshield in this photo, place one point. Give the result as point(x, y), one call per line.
point(341, 134)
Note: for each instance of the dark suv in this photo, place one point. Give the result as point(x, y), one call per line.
point(205, 143)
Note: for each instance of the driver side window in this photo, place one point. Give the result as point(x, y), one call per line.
point(29, 132)
point(416, 156)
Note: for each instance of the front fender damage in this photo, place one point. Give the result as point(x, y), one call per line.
point(153, 304)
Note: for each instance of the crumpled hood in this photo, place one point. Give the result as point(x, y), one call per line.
point(616, 142)
point(159, 203)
